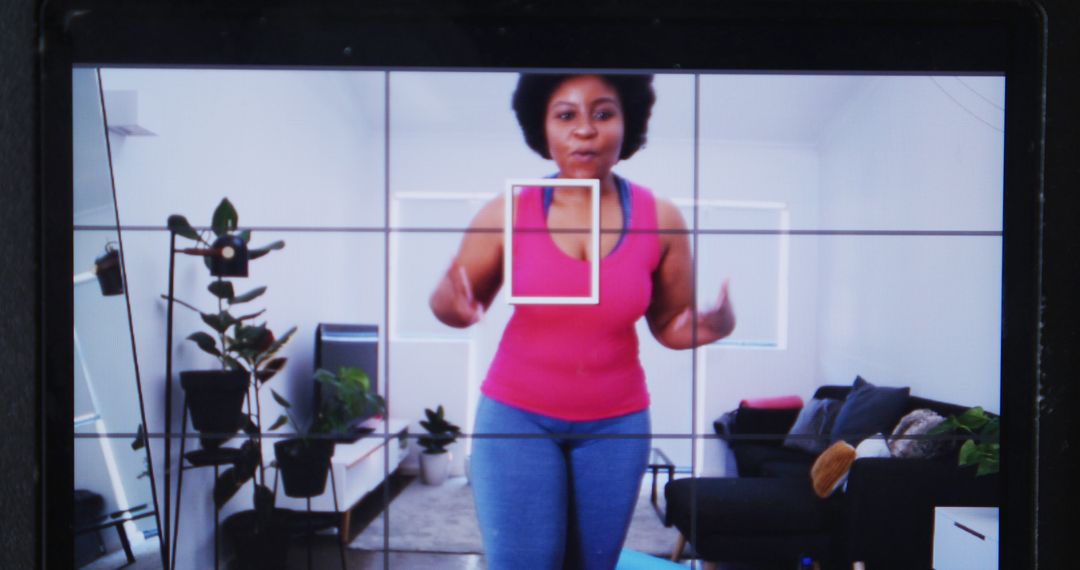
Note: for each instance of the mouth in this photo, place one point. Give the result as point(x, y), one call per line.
point(583, 155)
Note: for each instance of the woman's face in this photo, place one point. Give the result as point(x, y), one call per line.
point(584, 127)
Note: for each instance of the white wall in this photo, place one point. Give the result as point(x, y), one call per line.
point(787, 174)
point(104, 370)
point(288, 149)
point(914, 153)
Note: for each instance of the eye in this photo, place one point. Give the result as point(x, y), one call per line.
point(564, 115)
point(603, 115)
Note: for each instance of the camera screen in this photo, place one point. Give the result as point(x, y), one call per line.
point(824, 230)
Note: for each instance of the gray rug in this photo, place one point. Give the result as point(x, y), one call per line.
point(443, 519)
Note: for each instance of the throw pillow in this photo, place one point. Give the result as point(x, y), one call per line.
point(867, 410)
point(830, 470)
point(873, 447)
point(812, 427)
point(906, 441)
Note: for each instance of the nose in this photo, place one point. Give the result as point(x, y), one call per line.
point(585, 128)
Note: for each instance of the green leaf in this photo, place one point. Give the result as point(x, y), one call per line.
point(244, 235)
point(271, 368)
point(281, 400)
point(250, 316)
point(179, 225)
point(261, 251)
point(225, 218)
point(233, 363)
point(221, 290)
point(987, 467)
point(968, 453)
point(282, 420)
point(228, 483)
point(219, 322)
point(254, 293)
point(205, 342)
point(973, 418)
point(325, 376)
point(277, 344)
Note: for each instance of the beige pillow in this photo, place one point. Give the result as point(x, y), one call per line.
point(831, 468)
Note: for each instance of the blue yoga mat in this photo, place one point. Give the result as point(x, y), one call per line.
point(634, 560)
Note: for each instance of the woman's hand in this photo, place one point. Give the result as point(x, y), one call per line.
point(453, 301)
point(468, 308)
point(720, 319)
point(714, 323)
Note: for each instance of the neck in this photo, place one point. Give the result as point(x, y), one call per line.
point(607, 185)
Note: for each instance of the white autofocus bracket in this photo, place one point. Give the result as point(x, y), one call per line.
point(593, 298)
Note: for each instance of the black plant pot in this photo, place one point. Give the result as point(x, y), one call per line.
point(304, 465)
point(215, 399)
point(259, 545)
point(232, 259)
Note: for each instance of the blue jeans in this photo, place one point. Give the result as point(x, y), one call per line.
point(554, 498)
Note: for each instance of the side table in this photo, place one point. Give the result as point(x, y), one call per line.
point(657, 461)
point(965, 537)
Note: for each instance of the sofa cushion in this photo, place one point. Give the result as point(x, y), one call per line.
point(812, 430)
point(774, 403)
point(745, 506)
point(787, 469)
point(911, 436)
point(754, 422)
point(751, 458)
point(867, 410)
point(831, 468)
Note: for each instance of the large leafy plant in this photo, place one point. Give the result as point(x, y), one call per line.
point(983, 449)
point(239, 343)
point(347, 397)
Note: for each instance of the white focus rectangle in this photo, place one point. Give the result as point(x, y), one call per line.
point(513, 296)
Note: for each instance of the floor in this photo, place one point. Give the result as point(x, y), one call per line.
point(323, 553)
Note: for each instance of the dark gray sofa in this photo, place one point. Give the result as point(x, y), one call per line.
point(770, 515)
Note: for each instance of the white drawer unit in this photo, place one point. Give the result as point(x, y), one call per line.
point(965, 538)
point(358, 468)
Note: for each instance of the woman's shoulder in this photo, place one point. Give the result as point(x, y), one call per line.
point(668, 216)
point(492, 213)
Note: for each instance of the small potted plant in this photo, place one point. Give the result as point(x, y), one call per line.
point(346, 399)
point(435, 459)
point(983, 450)
point(304, 460)
point(246, 351)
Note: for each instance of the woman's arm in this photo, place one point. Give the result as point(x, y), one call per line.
point(672, 307)
point(475, 274)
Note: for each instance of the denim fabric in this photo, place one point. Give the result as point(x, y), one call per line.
point(548, 496)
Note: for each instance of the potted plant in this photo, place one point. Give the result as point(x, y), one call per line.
point(983, 450)
point(347, 398)
point(246, 351)
point(435, 459)
point(303, 461)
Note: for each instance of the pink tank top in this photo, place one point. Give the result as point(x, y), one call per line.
point(576, 362)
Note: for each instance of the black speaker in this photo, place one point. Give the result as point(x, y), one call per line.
point(338, 345)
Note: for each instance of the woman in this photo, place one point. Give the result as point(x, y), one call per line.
point(563, 420)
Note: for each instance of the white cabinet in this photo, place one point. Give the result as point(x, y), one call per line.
point(965, 538)
point(358, 468)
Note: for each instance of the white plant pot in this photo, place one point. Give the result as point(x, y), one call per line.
point(434, 468)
